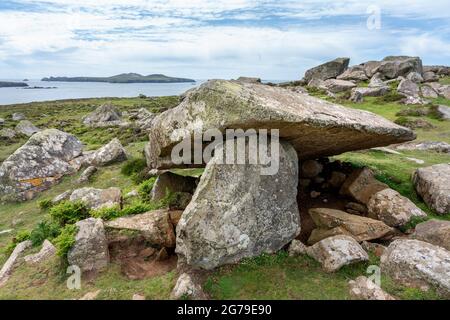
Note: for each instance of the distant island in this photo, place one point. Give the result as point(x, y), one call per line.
point(4, 84)
point(122, 78)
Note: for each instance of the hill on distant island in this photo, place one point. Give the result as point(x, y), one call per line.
point(122, 78)
point(4, 84)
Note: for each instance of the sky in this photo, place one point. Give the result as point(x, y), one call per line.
point(271, 39)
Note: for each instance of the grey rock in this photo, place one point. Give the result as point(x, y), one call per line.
point(327, 70)
point(336, 86)
point(431, 183)
point(86, 174)
point(430, 76)
point(62, 197)
point(296, 248)
point(434, 231)
point(414, 77)
point(418, 264)
point(361, 185)
point(435, 146)
point(249, 79)
point(186, 287)
point(408, 88)
point(394, 66)
point(362, 288)
point(355, 73)
point(103, 114)
point(27, 128)
point(38, 164)
point(444, 91)
point(428, 92)
point(444, 112)
point(236, 212)
point(7, 133)
point(377, 81)
point(356, 97)
point(371, 67)
point(110, 153)
point(372, 91)
point(98, 198)
point(90, 251)
point(47, 251)
point(18, 116)
point(13, 261)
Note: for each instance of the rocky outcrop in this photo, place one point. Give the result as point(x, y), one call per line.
point(47, 251)
point(392, 208)
point(38, 164)
point(340, 222)
point(431, 183)
point(98, 198)
point(155, 226)
point(27, 128)
point(236, 212)
point(363, 288)
point(13, 261)
point(418, 264)
point(433, 231)
point(106, 155)
point(313, 126)
point(395, 66)
point(143, 118)
point(328, 70)
point(104, 115)
point(169, 182)
point(90, 251)
point(408, 88)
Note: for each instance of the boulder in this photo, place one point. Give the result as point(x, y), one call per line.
point(355, 73)
point(328, 70)
point(7, 133)
point(86, 174)
point(444, 91)
point(394, 66)
point(27, 128)
point(47, 251)
point(372, 91)
point(98, 198)
point(155, 226)
point(362, 288)
point(418, 264)
point(106, 155)
point(13, 261)
point(356, 97)
point(414, 77)
point(408, 88)
point(103, 114)
point(430, 76)
point(360, 228)
point(377, 81)
point(313, 126)
point(428, 92)
point(2, 121)
point(296, 248)
point(90, 251)
point(431, 183)
point(144, 118)
point(169, 182)
point(336, 86)
point(361, 185)
point(392, 208)
point(18, 116)
point(434, 231)
point(187, 288)
point(443, 112)
point(337, 251)
point(371, 67)
point(236, 212)
point(439, 70)
point(38, 164)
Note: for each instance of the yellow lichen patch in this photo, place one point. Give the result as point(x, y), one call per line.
point(35, 182)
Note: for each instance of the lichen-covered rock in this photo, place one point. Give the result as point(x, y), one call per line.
point(430, 76)
point(187, 288)
point(360, 228)
point(418, 264)
point(414, 77)
point(434, 231)
point(296, 248)
point(362, 288)
point(428, 92)
point(408, 88)
point(27, 128)
point(7, 133)
point(90, 251)
point(13, 261)
point(392, 208)
point(327, 70)
point(38, 164)
point(236, 212)
point(171, 182)
point(336, 86)
point(371, 67)
point(108, 154)
point(337, 251)
point(395, 66)
point(313, 126)
point(16, 116)
point(156, 227)
point(355, 73)
point(47, 251)
point(98, 198)
point(143, 118)
point(443, 112)
point(361, 185)
point(103, 114)
point(432, 184)
point(87, 174)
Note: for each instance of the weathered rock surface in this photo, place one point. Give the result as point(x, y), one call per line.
point(430, 76)
point(236, 212)
point(428, 92)
point(314, 127)
point(186, 287)
point(156, 227)
point(90, 251)
point(371, 67)
point(87, 174)
point(7, 133)
point(377, 81)
point(336, 86)
point(62, 196)
point(360, 228)
point(433, 231)
point(408, 88)
point(38, 164)
point(414, 77)
point(27, 128)
point(18, 116)
point(102, 115)
point(432, 184)
point(249, 79)
point(337, 251)
point(392, 208)
point(444, 112)
point(327, 70)
point(363, 288)
point(171, 182)
point(372, 91)
point(13, 261)
point(394, 66)
point(418, 264)
point(355, 73)
point(108, 154)
point(47, 251)
point(143, 118)
point(361, 185)
point(98, 198)
point(296, 248)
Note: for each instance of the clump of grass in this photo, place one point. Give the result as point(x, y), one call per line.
point(65, 241)
point(45, 204)
point(44, 230)
point(68, 212)
point(21, 236)
point(136, 169)
point(145, 189)
point(391, 96)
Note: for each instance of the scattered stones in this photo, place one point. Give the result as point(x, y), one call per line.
point(261, 212)
point(47, 251)
point(86, 174)
point(38, 164)
point(7, 133)
point(337, 251)
point(187, 288)
point(418, 264)
point(360, 228)
point(327, 70)
point(18, 116)
point(98, 198)
point(431, 183)
point(13, 261)
point(392, 208)
point(361, 185)
point(171, 182)
point(363, 288)
point(106, 155)
point(156, 227)
point(27, 128)
point(90, 251)
point(434, 231)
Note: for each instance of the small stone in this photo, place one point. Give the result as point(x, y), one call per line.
point(87, 174)
point(296, 248)
point(314, 194)
point(187, 288)
point(90, 295)
point(47, 251)
point(138, 296)
point(363, 288)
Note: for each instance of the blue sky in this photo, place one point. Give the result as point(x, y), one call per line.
point(272, 39)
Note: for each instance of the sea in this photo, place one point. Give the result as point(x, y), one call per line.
point(79, 90)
